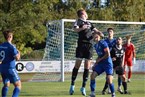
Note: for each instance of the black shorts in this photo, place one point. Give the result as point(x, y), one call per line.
point(119, 70)
point(84, 50)
point(114, 66)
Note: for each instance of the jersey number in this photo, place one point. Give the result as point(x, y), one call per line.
point(2, 56)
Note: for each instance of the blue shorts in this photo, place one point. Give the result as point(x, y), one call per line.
point(102, 67)
point(10, 75)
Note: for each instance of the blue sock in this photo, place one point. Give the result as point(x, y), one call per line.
point(16, 92)
point(112, 88)
point(92, 85)
point(5, 91)
point(119, 81)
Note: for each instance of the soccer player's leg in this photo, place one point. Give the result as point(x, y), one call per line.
point(93, 84)
point(105, 87)
point(15, 79)
point(97, 70)
point(85, 76)
point(119, 85)
point(124, 67)
point(120, 71)
point(79, 58)
point(124, 83)
point(119, 82)
point(109, 72)
point(74, 75)
point(129, 64)
point(6, 83)
point(88, 52)
point(111, 85)
point(17, 88)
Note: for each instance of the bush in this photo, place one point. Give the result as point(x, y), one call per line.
point(34, 55)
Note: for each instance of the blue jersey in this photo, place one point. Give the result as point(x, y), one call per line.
point(7, 56)
point(106, 64)
point(99, 47)
point(110, 43)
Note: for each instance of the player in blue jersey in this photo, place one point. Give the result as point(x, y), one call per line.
point(103, 64)
point(111, 41)
point(84, 50)
point(8, 55)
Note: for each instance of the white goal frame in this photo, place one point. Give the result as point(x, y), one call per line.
point(92, 21)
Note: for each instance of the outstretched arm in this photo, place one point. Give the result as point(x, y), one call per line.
point(97, 31)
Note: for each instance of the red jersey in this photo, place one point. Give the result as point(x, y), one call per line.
point(129, 50)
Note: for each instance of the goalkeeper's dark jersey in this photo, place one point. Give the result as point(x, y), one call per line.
point(84, 35)
point(118, 54)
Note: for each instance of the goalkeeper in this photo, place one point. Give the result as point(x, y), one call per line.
point(117, 55)
point(129, 55)
point(84, 49)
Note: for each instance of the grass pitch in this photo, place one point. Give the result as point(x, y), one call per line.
point(61, 89)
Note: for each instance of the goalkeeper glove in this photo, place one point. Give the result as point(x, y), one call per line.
point(134, 60)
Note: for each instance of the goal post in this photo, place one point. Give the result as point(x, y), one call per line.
point(62, 50)
point(61, 45)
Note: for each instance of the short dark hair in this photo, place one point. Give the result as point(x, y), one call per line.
point(118, 38)
point(110, 29)
point(80, 12)
point(6, 33)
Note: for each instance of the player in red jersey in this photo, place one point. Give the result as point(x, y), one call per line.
point(129, 55)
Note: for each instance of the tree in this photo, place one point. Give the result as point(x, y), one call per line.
point(28, 17)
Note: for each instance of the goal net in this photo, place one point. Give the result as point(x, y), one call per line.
point(59, 56)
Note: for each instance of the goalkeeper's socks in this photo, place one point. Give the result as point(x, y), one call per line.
point(74, 75)
point(92, 85)
point(119, 81)
point(85, 77)
point(5, 91)
point(16, 92)
point(129, 74)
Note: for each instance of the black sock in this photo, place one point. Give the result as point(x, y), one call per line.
point(105, 86)
point(85, 77)
point(124, 85)
point(74, 75)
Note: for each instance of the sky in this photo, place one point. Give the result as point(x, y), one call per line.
point(101, 3)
